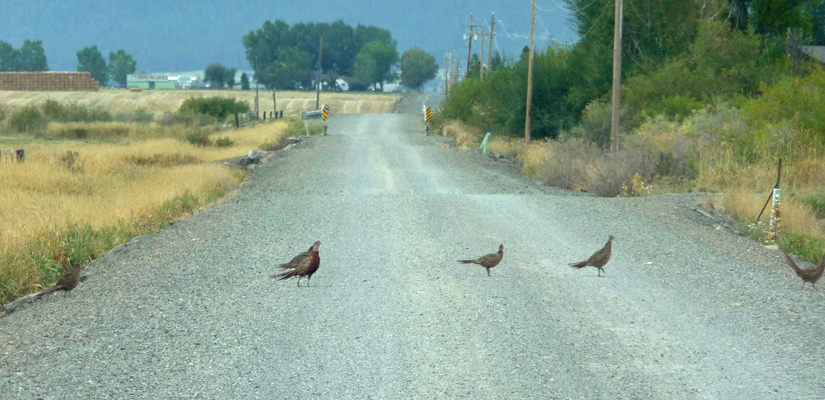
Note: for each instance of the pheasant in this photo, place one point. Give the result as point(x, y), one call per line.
point(808, 275)
point(297, 259)
point(599, 259)
point(488, 261)
point(306, 266)
point(68, 280)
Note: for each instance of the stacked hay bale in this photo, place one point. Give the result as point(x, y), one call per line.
point(48, 81)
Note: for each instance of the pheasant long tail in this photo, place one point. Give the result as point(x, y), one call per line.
point(468, 261)
point(792, 264)
point(579, 265)
point(285, 275)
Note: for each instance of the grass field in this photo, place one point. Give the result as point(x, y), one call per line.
point(160, 101)
point(57, 208)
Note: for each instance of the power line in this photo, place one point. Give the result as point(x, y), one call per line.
point(596, 22)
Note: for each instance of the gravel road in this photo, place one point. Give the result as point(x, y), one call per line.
point(685, 311)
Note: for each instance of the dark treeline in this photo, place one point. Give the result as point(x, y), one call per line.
point(286, 57)
point(678, 56)
point(28, 58)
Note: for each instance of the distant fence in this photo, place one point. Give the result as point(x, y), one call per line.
point(11, 156)
point(245, 118)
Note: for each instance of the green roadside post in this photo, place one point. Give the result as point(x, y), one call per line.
point(484, 143)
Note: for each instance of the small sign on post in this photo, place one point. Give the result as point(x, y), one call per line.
point(429, 114)
point(326, 111)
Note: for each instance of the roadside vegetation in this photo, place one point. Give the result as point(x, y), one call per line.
point(709, 107)
point(93, 180)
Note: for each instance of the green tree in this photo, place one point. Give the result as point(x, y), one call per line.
point(290, 70)
point(31, 57)
point(229, 77)
point(244, 81)
point(8, 57)
point(817, 11)
point(121, 65)
point(90, 60)
point(215, 75)
point(367, 34)
point(365, 69)
point(277, 49)
point(384, 57)
point(417, 67)
point(773, 18)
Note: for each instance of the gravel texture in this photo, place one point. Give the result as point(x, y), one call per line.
point(686, 310)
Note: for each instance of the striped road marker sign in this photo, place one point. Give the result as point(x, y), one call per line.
point(326, 111)
point(429, 115)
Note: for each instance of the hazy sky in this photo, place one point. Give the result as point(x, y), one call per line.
point(187, 35)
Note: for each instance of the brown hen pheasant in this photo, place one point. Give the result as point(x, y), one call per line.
point(488, 261)
point(69, 279)
point(599, 259)
point(306, 266)
point(809, 274)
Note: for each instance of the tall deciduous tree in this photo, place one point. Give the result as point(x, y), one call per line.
point(121, 65)
point(365, 69)
point(385, 57)
point(31, 57)
point(90, 60)
point(278, 52)
point(417, 67)
point(229, 77)
point(8, 57)
point(215, 75)
point(244, 81)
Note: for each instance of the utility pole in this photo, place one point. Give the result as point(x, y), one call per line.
point(617, 79)
point(256, 88)
point(318, 75)
point(481, 59)
point(490, 53)
point(447, 65)
point(530, 76)
point(471, 28)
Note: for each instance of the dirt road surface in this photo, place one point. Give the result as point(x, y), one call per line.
point(685, 311)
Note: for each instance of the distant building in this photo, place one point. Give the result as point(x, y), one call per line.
point(147, 81)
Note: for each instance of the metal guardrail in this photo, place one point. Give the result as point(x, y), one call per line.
point(312, 114)
point(316, 113)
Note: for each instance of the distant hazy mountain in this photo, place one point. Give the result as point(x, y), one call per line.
point(187, 35)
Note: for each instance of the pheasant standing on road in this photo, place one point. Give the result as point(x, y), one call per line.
point(306, 266)
point(68, 280)
point(808, 275)
point(297, 259)
point(488, 261)
point(599, 259)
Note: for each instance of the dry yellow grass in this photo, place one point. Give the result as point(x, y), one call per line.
point(105, 185)
point(160, 101)
point(795, 218)
point(466, 136)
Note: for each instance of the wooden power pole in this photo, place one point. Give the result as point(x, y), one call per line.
point(318, 75)
point(481, 59)
point(530, 76)
point(471, 28)
point(448, 61)
point(490, 53)
point(617, 79)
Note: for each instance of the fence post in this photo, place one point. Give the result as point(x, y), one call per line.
point(282, 114)
point(237, 122)
point(21, 155)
